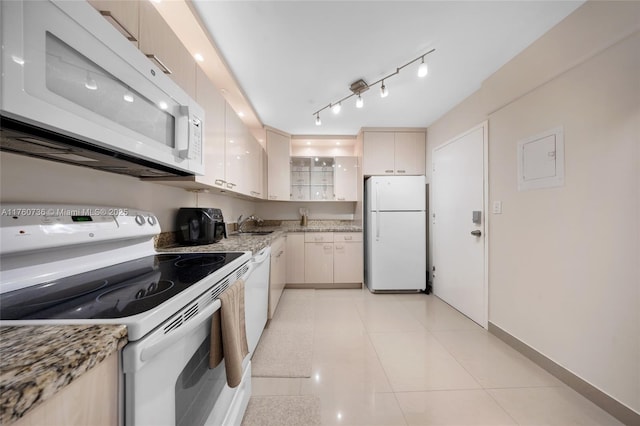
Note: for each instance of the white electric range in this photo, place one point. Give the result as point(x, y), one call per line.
point(97, 265)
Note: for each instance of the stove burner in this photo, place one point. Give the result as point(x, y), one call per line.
point(167, 257)
point(201, 260)
point(134, 292)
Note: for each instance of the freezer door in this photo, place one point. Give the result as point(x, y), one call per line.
point(396, 193)
point(396, 251)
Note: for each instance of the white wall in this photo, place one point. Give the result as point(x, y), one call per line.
point(564, 273)
point(24, 179)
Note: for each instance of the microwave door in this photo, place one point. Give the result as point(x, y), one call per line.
point(80, 77)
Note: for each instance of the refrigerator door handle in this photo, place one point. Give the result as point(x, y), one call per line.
point(377, 211)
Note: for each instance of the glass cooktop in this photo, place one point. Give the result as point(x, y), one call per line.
point(116, 291)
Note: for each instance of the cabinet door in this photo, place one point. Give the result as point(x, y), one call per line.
point(277, 275)
point(378, 156)
point(278, 153)
point(410, 153)
point(122, 14)
point(165, 49)
point(236, 162)
point(254, 166)
point(210, 99)
point(347, 262)
point(318, 264)
point(346, 179)
point(295, 258)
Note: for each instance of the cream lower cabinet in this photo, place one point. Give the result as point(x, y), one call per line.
point(92, 399)
point(324, 260)
point(347, 257)
point(295, 258)
point(278, 273)
point(318, 258)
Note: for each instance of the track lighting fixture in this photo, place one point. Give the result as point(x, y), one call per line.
point(360, 86)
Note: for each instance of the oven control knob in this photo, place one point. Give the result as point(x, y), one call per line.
point(140, 220)
point(152, 220)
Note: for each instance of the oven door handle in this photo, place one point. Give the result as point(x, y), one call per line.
point(153, 346)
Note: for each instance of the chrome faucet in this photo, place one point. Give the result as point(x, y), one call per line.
point(242, 222)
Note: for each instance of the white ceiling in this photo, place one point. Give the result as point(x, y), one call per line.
point(292, 58)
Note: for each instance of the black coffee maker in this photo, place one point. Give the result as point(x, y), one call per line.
point(200, 225)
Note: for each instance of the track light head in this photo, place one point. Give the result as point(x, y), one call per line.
point(423, 70)
point(336, 108)
point(359, 102)
point(383, 90)
point(318, 122)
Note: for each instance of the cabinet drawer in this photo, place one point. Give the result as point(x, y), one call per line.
point(318, 237)
point(347, 237)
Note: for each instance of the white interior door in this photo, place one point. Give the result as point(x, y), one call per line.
point(459, 240)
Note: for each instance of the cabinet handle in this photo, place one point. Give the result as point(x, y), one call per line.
point(230, 185)
point(340, 247)
point(159, 62)
point(108, 15)
point(348, 237)
point(219, 182)
point(273, 197)
point(327, 247)
point(340, 198)
point(401, 171)
point(388, 171)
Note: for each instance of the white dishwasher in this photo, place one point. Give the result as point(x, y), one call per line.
point(256, 297)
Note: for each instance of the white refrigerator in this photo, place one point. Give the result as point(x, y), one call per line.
point(395, 233)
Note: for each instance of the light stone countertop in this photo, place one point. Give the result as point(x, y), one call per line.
point(255, 243)
point(38, 361)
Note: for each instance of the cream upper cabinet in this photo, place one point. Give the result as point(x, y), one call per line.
point(378, 158)
point(255, 167)
point(295, 258)
point(122, 14)
point(243, 157)
point(347, 257)
point(410, 150)
point(394, 153)
point(159, 43)
point(345, 179)
point(278, 152)
point(236, 152)
point(210, 99)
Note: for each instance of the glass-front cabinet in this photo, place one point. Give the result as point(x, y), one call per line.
point(312, 178)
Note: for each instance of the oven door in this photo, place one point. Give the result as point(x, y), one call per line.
point(167, 379)
point(66, 69)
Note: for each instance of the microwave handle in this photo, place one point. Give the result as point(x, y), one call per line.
point(193, 129)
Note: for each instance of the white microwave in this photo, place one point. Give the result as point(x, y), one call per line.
point(75, 90)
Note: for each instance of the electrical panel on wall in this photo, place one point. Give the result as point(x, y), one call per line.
point(541, 160)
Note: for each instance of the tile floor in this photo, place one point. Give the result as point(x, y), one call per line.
point(390, 359)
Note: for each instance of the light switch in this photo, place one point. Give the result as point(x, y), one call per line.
point(497, 207)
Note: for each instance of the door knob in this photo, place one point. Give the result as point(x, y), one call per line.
point(476, 233)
